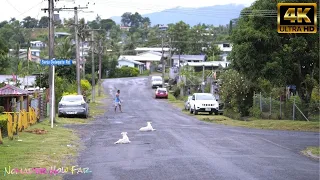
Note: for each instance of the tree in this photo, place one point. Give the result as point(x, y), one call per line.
point(107, 24)
point(179, 35)
point(44, 22)
point(4, 62)
point(283, 59)
point(29, 22)
point(213, 52)
point(126, 19)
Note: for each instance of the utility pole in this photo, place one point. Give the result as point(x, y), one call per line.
point(163, 65)
point(93, 74)
point(77, 49)
point(51, 10)
point(100, 64)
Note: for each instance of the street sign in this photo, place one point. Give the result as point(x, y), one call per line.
point(56, 62)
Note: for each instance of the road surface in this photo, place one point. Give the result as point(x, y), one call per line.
point(185, 148)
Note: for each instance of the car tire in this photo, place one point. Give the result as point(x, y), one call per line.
point(211, 112)
point(216, 112)
point(191, 110)
point(195, 112)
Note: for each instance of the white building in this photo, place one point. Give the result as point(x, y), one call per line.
point(146, 59)
point(126, 62)
point(37, 44)
point(226, 49)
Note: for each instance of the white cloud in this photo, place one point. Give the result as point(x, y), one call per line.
point(22, 8)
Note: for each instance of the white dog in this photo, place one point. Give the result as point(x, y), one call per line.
point(147, 128)
point(124, 140)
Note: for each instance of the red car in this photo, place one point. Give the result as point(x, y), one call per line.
point(161, 93)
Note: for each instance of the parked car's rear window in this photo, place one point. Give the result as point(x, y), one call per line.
point(72, 98)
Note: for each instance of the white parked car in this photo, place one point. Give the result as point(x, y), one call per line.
point(204, 102)
point(156, 81)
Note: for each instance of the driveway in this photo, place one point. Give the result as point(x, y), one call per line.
point(183, 147)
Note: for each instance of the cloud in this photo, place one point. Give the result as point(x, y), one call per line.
point(106, 9)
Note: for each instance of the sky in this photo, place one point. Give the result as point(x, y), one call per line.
point(104, 8)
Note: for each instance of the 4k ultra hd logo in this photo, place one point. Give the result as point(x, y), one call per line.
point(297, 18)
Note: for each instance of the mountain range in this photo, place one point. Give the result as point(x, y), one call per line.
point(214, 15)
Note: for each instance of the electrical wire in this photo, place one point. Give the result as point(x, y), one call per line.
point(30, 9)
point(13, 6)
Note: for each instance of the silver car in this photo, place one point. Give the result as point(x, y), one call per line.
point(187, 103)
point(73, 105)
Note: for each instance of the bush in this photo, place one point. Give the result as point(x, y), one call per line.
point(126, 72)
point(1, 109)
point(236, 92)
point(3, 125)
point(88, 77)
point(69, 93)
point(86, 87)
point(255, 112)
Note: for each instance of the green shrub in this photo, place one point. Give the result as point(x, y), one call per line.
point(3, 124)
point(255, 112)
point(85, 87)
point(1, 109)
point(126, 72)
point(89, 78)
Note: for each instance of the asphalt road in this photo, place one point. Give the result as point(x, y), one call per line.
point(183, 147)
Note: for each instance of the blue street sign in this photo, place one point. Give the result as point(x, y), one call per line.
point(56, 62)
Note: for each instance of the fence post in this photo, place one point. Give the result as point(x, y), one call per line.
point(293, 108)
point(280, 109)
point(260, 102)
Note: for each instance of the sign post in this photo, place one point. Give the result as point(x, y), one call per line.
point(53, 63)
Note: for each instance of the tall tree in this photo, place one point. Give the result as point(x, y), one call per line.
point(43, 22)
point(179, 34)
point(259, 51)
point(29, 22)
point(4, 63)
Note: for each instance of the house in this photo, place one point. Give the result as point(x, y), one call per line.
point(146, 60)
point(156, 49)
point(187, 58)
point(226, 49)
point(37, 44)
point(61, 34)
point(123, 62)
point(209, 65)
point(23, 54)
point(27, 81)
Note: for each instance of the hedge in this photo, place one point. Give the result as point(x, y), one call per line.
point(3, 124)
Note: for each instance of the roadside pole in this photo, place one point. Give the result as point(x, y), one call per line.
point(92, 73)
point(100, 64)
point(163, 64)
point(52, 97)
point(77, 50)
point(52, 63)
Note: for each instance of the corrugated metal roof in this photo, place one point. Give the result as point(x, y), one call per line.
point(141, 58)
point(12, 90)
point(190, 57)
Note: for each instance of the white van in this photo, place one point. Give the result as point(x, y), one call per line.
point(156, 81)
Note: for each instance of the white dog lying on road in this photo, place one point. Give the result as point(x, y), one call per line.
point(147, 128)
point(124, 140)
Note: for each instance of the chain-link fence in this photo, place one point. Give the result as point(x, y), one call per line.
point(291, 108)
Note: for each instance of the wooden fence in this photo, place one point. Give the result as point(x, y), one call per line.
point(18, 121)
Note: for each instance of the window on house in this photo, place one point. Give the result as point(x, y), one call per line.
point(226, 45)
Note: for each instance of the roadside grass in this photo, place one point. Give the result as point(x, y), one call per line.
point(39, 150)
point(250, 123)
point(312, 151)
point(58, 147)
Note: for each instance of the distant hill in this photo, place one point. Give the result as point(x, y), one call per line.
point(215, 15)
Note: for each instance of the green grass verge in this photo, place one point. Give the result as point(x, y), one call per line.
point(43, 151)
point(314, 151)
point(58, 147)
point(252, 123)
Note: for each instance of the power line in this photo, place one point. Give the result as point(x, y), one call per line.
point(13, 6)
